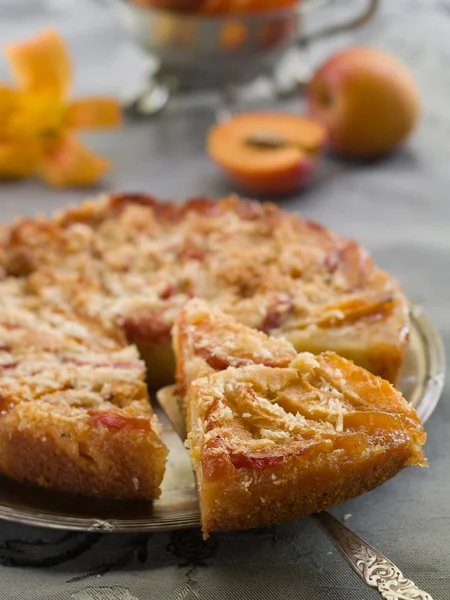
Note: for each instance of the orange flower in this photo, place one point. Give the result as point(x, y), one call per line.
point(37, 122)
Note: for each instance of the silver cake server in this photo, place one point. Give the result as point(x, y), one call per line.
point(373, 568)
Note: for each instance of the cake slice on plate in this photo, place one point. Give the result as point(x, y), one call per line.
point(272, 442)
point(74, 408)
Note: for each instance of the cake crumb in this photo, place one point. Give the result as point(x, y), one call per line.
point(346, 517)
point(246, 482)
point(135, 481)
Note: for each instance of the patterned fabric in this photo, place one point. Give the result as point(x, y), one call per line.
point(399, 208)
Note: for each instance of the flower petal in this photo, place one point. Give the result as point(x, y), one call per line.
point(94, 113)
point(17, 160)
point(41, 63)
point(9, 100)
point(72, 164)
point(37, 116)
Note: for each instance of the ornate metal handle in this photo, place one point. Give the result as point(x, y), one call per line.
point(374, 569)
point(357, 21)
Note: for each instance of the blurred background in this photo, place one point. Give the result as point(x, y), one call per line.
point(165, 153)
point(109, 61)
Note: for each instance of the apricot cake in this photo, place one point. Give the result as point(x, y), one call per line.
point(134, 262)
point(77, 290)
point(272, 443)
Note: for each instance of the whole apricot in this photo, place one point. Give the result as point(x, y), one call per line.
point(367, 100)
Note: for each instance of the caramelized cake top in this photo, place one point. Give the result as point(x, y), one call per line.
point(136, 261)
point(259, 417)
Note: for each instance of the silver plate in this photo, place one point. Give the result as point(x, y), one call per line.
point(422, 380)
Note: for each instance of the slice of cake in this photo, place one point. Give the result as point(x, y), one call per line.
point(272, 443)
point(207, 340)
point(74, 409)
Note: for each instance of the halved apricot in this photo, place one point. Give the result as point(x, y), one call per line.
point(267, 153)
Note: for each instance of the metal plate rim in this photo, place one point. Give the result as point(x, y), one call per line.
point(436, 362)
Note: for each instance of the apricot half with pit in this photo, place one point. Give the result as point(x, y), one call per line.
point(267, 153)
